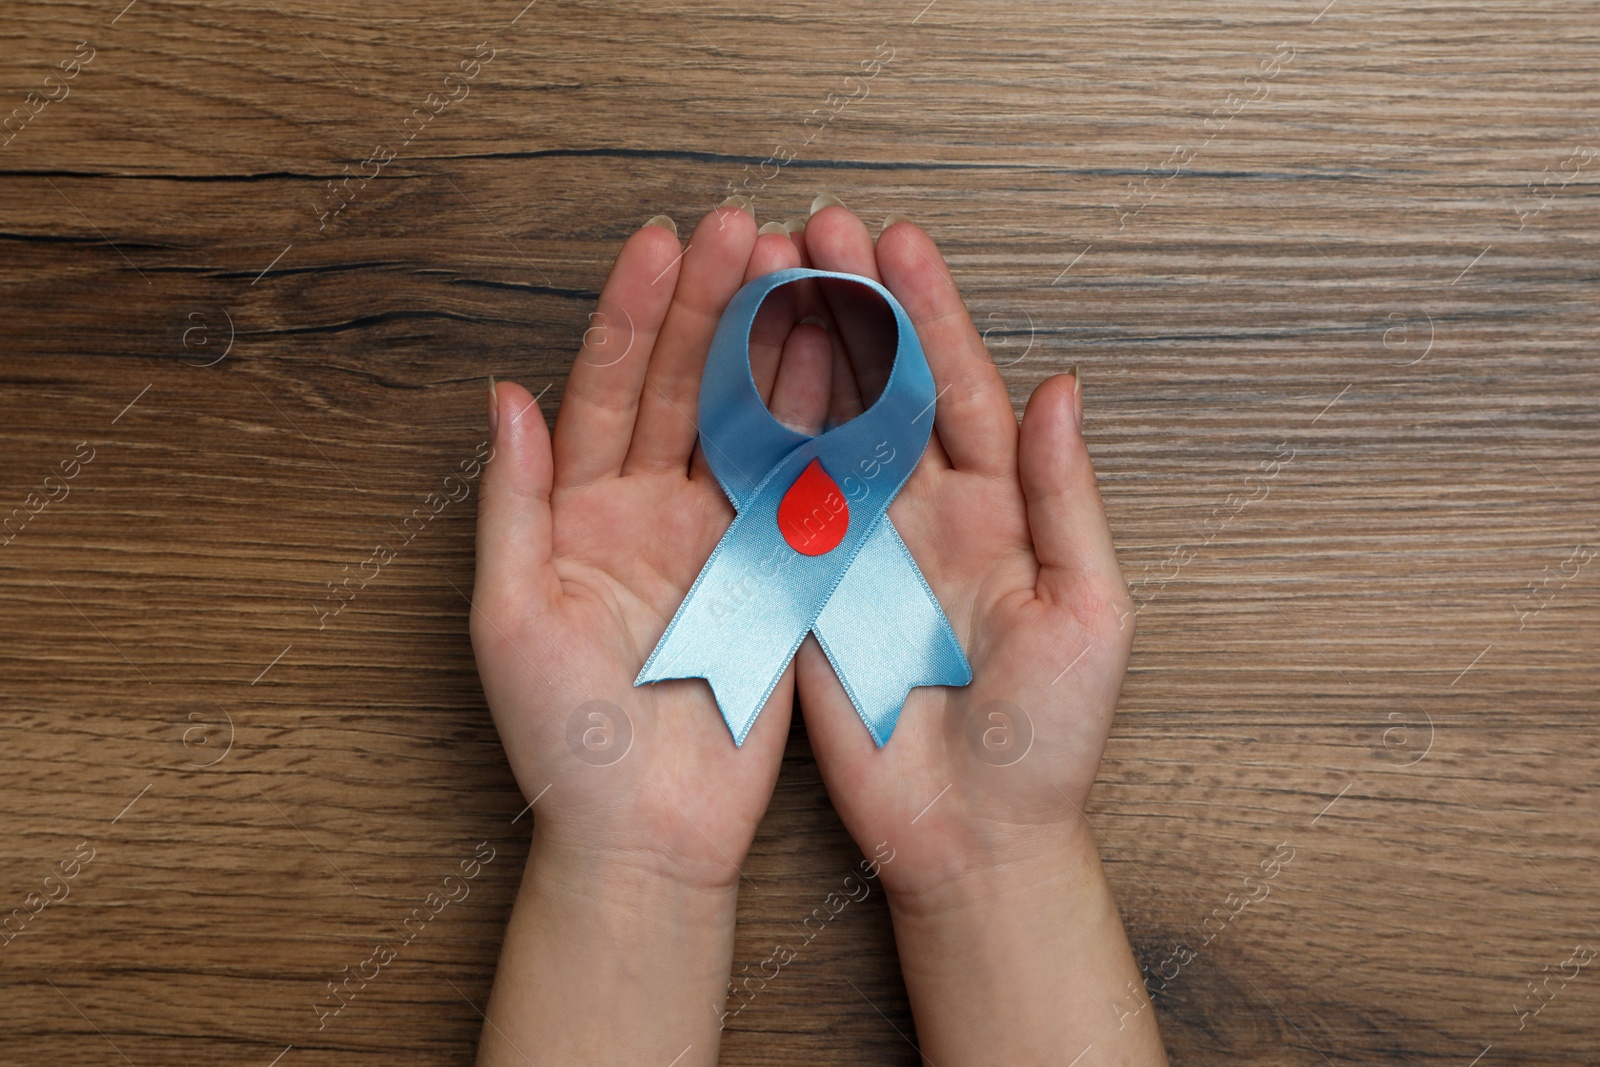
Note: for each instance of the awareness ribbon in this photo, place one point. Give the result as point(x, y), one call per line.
point(812, 548)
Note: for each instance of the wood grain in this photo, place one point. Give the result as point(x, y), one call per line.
point(1337, 273)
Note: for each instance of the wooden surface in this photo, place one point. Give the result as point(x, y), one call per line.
point(1379, 651)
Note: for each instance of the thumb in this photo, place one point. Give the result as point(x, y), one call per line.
point(1071, 537)
point(514, 573)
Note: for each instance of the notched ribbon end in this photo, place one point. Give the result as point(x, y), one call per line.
point(728, 693)
point(879, 697)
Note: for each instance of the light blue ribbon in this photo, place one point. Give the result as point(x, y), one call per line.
point(757, 598)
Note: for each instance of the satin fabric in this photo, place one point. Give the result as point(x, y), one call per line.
point(756, 597)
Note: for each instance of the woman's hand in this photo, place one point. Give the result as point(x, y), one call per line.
point(588, 539)
point(1012, 949)
point(621, 942)
point(1008, 529)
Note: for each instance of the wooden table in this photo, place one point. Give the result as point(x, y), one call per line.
point(1331, 276)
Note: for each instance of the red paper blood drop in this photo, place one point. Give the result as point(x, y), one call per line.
point(813, 515)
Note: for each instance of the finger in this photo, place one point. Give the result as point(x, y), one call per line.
point(844, 401)
point(595, 423)
point(515, 525)
point(774, 319)
point(808, 297)
point(865, 329)
point(1071, 537)
point(713, 269)
point(773, 251)
point(838, 241)
point(973, 414)
point(800, 395)
point(797, 234)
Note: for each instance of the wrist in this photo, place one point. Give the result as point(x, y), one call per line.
point(611, 956)
point(1056, 860)
point(645, 847)
point(1020, 955)
point(637, 880)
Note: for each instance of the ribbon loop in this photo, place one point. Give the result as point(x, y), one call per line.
point(802, 557)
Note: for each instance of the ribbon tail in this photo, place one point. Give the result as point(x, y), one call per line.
point(737, 628)
point(885, 633)
point(739, 688)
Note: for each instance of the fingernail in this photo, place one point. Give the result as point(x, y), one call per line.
point(665, 223)
point(774, 227)
point(825, 200)
point(740, 202)
point(494, 410)
point(795, 225)
point(893, 217)
point(815, 320)
point(1077, 397)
